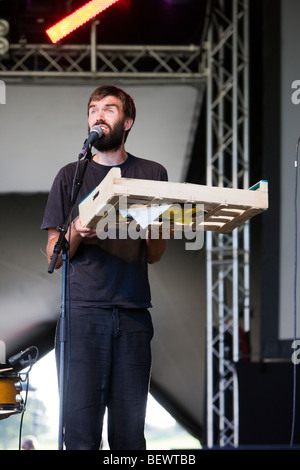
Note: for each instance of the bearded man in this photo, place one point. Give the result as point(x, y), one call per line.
point(109, 327)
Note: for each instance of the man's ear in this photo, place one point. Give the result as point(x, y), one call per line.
point(128, 124)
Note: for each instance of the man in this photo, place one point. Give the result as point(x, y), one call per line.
point(110, 327)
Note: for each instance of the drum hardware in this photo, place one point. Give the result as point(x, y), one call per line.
point(24, 358)
point(11, 382)
point(11, 400)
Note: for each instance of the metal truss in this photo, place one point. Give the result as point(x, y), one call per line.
point(227, 255)
point(46, 61)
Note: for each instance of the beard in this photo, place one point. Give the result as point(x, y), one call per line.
point(113, 140)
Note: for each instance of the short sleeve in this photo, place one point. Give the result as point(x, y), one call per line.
point(58, 203)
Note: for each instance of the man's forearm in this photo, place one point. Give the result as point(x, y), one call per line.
point(53, 237)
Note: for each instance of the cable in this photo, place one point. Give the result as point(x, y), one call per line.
point(29, 362)
point(295, 290)
point(24, 409)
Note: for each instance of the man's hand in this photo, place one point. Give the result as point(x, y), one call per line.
point(78, 232)
point(84, 232)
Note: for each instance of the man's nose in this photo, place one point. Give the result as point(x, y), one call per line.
point(100, 117)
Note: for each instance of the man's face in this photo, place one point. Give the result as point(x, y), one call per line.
point(108, 114)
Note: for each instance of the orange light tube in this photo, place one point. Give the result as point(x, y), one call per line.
point(77, 19)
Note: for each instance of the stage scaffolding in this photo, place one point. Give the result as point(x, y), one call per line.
point(221, 61)
point(45, 62)
point(228, 286)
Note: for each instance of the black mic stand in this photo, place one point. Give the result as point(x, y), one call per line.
point(62, 246)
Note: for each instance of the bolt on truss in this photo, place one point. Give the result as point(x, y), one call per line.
point(227, 254)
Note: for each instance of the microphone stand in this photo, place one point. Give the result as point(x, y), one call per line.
point(62, 246)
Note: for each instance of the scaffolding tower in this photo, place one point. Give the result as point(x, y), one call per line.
point(227, 264)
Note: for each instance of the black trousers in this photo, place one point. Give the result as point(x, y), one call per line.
point(108, 365)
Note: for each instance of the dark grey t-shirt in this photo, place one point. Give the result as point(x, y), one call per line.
point(108, 272)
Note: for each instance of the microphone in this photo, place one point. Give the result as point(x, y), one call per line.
point(20, 357)
point(96, 133)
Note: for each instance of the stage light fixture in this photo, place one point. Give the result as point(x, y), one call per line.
point(77, 18)
point(4, 29)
